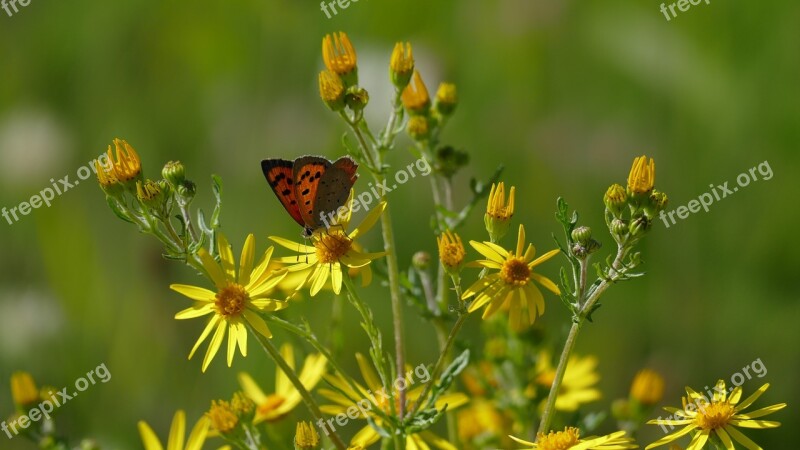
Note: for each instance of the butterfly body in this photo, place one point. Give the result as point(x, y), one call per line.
point(311, 187)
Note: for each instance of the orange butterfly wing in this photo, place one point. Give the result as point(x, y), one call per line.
point(280, 176)
point(308, 170)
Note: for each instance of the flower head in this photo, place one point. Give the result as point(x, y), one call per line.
point(331, 90)
point(578, 386)
point(647, 387)
point(451, 251)
point(306, 436)
point(238, 300)
point(498, 212)
point(719, 416)
point(127, 167)
point(415, 96)
point(615, 199)
point(332, 248)
point(374, 397)
point(642, 176)
point(401, 65)
point(418, 128)
point(570, 439)
point(512, 284)
point(223, 417)
point(176, 434)
point(271, 407)
point(23, 389)
point(338, 54)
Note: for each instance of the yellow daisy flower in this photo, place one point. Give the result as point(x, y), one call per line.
point(177, 434)
point(512, 284)
point(647, 387)
point(338, 53)
point(718, 416)
point(374, 396)
point(332, 248)
point(481, 421)
point(569, 439)
point(286, 397)
point(577, 388)
point(237, 302)
point(127, 167)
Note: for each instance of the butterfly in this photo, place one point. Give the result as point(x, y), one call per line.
point(311, 187)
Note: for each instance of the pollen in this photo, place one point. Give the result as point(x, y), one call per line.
point(714, 416)
point(515, 272)
point(331, 247)
point(558, 440)
point(231, 300)
point(222, 417)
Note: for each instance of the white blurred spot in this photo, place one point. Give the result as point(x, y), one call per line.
point(33, 147)
point(26, 319)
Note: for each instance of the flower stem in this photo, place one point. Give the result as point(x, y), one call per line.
point(615, 271)
point(311, 404)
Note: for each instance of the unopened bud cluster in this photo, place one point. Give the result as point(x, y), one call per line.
point(630, 211)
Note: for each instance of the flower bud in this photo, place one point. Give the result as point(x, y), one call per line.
point(418, 128)
point(401, 66)
point(647, 387)
point(150, 194)
point(174, 173)
point(186, 191)
point(498, 213)
point(582, 235)
point(23, 390)
point(451, 252)
point(615, 199)
point(421, 260)
point(415, 96)
point(619, 228)
point(450, 160)
point(306, 437)
point(356, 98)
point(657, 203)
point(331, 90)
point(446, 99)
point(640, 226)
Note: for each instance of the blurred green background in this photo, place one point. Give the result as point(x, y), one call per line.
point(563, 93)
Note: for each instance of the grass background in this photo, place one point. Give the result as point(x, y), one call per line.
point(563, 93)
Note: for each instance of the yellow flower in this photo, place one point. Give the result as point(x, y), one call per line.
point(718, 416)
point(498, 213)
point(418, 128)
point(577, 387)
point(127, 166)
point(223, 418)
point(176, 434)
point(23, 389)
point(415, 95)
point(512, 284)
point(338, 53)
point(237, 302)
point(306, 436)
point(401, 65)
point(331, 90)
point(480, 420)
point(374, 396)
point(570, 439)
point(647, 387)
point(451, 251)
point(333, 248)
point(642, 176)
point(286, 397)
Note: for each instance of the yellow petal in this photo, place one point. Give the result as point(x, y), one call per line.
point(491, 251)
point(294, 246)
point(177, 431)
point(368, 221)
point(226, 257)
point(246, 260)
point(369, 374)
point(521, 240)
point(282, 384)
point(149, 438)
point(196, 311)
point(544, 281)
point(319, 278)
point(214, 345)
point(251, 388)
point(198, 435)
point(336, 278)
point(213, 269)
point(194, 292)
point(212, 323)
point(257, 323)
point(742, 439)
point(543, 258)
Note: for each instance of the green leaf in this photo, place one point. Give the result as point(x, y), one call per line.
point(217, 188)
point(118, 209)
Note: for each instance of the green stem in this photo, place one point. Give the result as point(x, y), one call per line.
point(569, 345)
point(311, 404)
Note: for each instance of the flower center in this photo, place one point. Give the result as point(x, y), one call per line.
point(713, 416)
point(385, 406)
point(231, 300)
point(272, 402)
point(222, 417)
point(515, 271)
point(560, 440)
point(331, 247)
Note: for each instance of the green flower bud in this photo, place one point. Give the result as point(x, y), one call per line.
point(619, 227)
point(174, 173)
point(582, 235)
point(446, 99)
point(186, 191)
point(657, 203)
point(615, 199)
point(150, 194)
point(418, 128)
point(356, 98)
point(450, 160)
point(640, 226)
point(421, 260)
